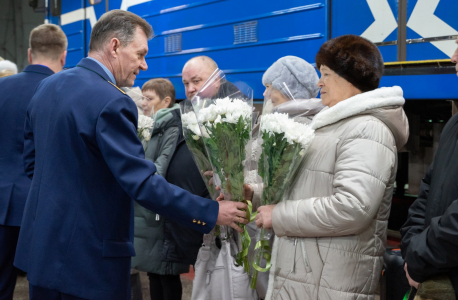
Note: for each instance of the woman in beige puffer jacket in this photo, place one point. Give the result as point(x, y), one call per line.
point(331, 232)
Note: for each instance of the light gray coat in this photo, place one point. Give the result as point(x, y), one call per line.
point(331, 234)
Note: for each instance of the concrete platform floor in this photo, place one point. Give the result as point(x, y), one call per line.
point(22, 288)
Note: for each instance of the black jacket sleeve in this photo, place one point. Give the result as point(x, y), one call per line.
point(434, 250)
point(416, 218)
point(431, 250)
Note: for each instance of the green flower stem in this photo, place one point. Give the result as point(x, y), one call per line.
point(197, 148)
point(225, 144)
point(242, 256)
point(261, 249)
point(277, 165)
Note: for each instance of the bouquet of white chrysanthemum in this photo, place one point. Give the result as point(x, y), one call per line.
point(224, 116)
point(226, 125)
point(195, 143)
point(145, 129)
point(284, 144)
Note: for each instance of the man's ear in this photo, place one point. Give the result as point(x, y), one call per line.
point(114, 45)
point(29, 55)
point(62, 58)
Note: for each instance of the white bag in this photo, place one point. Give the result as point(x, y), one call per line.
point(217, 277)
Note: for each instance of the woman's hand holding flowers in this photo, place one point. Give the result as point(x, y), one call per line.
point(264, 216)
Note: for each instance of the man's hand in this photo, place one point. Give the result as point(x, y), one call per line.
point(411, 281)
point(209, 174)
point(230, 213)
point(248, 192)
point(264, 216)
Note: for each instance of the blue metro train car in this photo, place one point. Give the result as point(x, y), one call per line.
point(415, 37)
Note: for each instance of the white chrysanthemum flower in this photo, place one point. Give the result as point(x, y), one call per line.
point(145, 127)
point(146, 134)
point(218, 119)
point(225, 110)
point(189, 121)
point(145, 122)
point(295, 132)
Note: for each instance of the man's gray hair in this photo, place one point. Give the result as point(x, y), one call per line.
point(118, 24)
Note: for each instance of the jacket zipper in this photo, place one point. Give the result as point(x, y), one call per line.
point(304, 257)
point(160, 134)
point(294, 256)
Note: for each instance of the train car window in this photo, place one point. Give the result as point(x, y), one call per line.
point(56, 7)
point(94, 2)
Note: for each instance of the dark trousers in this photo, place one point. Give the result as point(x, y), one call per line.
point(8, 241)
point(165, 287)
point(39, 293)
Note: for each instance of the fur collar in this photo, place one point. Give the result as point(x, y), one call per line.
point(381, 97)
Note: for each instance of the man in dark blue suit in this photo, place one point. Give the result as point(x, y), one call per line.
point(87, 165)
point(46, 56)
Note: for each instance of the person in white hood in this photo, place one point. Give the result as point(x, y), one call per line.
point(331, 230)
point(291, 87)
point(7, 68)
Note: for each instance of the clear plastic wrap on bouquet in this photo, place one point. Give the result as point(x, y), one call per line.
point(195, 143)
point(145, 124)
point(284, 139)
point(224, 114)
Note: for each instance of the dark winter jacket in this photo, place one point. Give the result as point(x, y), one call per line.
point(182, 244)
point(149, 227)
point(155, 235)
point(430, 235)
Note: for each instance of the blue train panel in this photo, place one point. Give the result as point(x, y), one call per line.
point(431, 18)
point(246, 37)
point(286, 28)
point(424, 86)
point(374, 20)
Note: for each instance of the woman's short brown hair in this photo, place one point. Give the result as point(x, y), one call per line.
point(48, 41)
point(163, 88)
point(354, 58)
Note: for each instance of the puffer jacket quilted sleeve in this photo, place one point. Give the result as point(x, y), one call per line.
point(364, 162)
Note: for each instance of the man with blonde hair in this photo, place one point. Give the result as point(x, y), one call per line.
point(46, 54)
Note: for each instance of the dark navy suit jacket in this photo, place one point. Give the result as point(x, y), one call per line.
point(87, 163)
point(15, 94)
